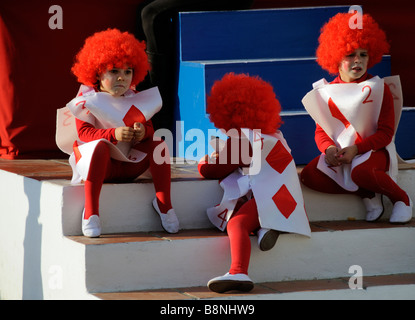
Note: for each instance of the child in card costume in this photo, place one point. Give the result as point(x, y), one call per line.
point(356, 119)
point(114, 133)
point(262, 192)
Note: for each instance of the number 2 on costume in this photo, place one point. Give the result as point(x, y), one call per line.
point(82, 103)
point(370, 92)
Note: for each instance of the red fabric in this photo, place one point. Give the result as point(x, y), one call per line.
point(104, 169)
point(87, 132)
point(384, 133)
point(35, 64)
point(227, 161)
point(243, 222)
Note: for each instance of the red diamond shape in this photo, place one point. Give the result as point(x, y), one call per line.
point(284, 201)
point(133, 115)
point(279, 158)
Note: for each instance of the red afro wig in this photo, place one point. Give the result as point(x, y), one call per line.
point(337, 40)
point(110, 49)
point(241, 101)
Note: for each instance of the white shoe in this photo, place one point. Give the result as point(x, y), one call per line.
point(228, 282)
point(91, 227)
point(169, 220)
point(401, 213)
point(267, 238)
point(374, 207)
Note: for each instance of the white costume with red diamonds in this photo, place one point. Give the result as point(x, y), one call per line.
point(103, 111)
point(275, 186)
point(349, 112)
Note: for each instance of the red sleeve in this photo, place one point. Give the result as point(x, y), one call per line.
point(87, 132)
point(225, 164)
point(386, 126)
point(149, 130)
point(323, 141)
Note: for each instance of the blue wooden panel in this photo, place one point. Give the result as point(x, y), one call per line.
point(291, 79)
point(405, 136)
point(253, 34)
point(299, 131)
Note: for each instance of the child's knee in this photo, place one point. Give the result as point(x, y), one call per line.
point(102, 149)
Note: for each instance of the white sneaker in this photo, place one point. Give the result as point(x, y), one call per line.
point(228, 282)
point(267, 238)
point(91, 227)
point(374, 207)
point(401, 213)
point(169, 220)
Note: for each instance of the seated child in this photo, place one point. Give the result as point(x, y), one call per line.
point(262, 192)
point(115, 133)
point(355, 120)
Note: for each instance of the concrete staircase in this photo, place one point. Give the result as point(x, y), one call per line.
point(44, 256)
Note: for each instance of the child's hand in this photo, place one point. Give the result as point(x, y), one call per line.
point(331, 158)
point(124, 134)
point(346, 155)
point(139, 131)
point(211, 159)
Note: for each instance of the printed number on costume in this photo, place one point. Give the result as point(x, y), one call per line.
point(82, 103)
point(393, 89)
point(68, 118)
point(222, 216)
point(370, 92)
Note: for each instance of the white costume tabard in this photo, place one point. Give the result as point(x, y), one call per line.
point(273, 181)
point(349, 112)
point(103, 111)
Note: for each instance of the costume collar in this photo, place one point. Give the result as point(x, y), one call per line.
point(365, 77)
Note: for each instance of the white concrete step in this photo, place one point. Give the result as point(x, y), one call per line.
point(390, 287)
point(47, 259)
point(127, 262)
point(127, 207)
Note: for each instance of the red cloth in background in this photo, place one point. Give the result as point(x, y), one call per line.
point(35, 63)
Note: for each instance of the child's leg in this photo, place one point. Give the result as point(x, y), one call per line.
point(315, 179)
point(103, 168)
point(99, 170)
point(371, 175)
point(240, 226)
point(161, 172)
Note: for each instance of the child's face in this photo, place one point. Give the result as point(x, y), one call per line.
point(354, 65)
point(116, 81)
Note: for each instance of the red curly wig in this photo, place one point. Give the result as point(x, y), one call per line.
point(337, 40)
point(241, 101)
point(110, 49)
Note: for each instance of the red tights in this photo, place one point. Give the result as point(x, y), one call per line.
point(242, 223)
point(370, 176)
point(105, 169)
